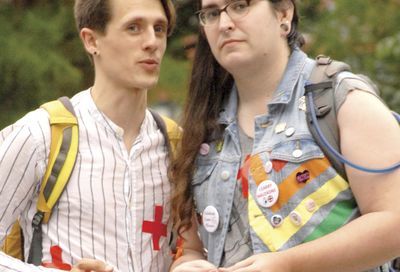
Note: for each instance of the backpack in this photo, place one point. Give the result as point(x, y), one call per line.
point(324, 123)
point(62, 156)
point(321, 101)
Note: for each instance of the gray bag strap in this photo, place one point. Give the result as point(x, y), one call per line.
point(35, 250)
point(321, 83)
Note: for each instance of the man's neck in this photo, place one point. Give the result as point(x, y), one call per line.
point(126, 108)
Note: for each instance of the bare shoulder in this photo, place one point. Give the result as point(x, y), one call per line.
point(370, 136)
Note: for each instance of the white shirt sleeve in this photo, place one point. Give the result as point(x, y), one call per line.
point(8, 263)
point(21, 165)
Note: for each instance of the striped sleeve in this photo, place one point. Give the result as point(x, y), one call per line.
point(21, 163)
point(12, 265)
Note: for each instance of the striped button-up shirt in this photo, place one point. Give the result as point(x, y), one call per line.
point(115, 206)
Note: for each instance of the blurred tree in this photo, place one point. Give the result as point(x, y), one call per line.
point(363, 33)
point(36, 63)
point(42, 57)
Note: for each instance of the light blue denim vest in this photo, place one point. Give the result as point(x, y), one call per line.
point(217, 171)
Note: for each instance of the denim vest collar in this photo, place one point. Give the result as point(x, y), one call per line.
point(283, 93)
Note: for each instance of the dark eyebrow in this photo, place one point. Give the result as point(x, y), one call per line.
point(215, 5)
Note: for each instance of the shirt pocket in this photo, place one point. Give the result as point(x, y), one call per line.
point(300, 168)
point(200, 183)
point(296, 151)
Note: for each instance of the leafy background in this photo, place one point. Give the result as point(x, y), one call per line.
point(41, 57)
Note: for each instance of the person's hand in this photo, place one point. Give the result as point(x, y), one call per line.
point(89, 265)
point(264, 262)
point(196, 266)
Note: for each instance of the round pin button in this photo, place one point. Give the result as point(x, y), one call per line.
point(267, 193)
point(280, 128)
point(276, 220)
point(204, 149)
point(310, 205)
point(295, 217)
point(225, 175)
point(210, 219)
point(268, 167)
point(297, 153)
point(290, 131)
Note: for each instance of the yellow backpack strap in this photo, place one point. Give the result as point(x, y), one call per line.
point(170, 129)
point(61, 161)
point(172, 134)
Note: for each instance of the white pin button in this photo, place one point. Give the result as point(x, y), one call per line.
point(310, 205)
point(225, 175)
point(297, 153)
point(280, 128)
point(267, 193)
point(290, 131)
point(268, 167)
point(276, 220)
point(210, 219)
point(204, 149)
point(302, 103)
point(295, 217)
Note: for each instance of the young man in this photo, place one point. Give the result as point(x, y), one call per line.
point(119, 181)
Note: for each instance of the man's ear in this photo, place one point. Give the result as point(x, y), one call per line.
point(89, 39)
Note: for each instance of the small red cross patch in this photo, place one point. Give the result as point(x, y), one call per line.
point(56, 258)
point(156, 228)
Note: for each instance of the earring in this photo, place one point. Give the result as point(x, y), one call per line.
point(285, 26)
point(95, 53)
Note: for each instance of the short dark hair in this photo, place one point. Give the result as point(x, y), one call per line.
point(96, 14)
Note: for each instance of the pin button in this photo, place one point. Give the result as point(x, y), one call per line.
point(297, 153)
point(276, 220)
point(267, 193)
point(311, 206)
point(280, 128)
point(295, 217)
point(225, 175)
point(290, 131)
point(210, 219)
point(204, 149)
point(268, 167)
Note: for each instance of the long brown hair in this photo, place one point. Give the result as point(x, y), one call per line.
point(209, 88)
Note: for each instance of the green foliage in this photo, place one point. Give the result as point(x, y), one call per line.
point(173, 79)
point(42, 57)
point(363, 33)
point(33, 66)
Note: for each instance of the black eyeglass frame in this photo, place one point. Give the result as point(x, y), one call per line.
point(223, 9)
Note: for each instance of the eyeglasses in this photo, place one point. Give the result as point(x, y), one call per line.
point(235, 10)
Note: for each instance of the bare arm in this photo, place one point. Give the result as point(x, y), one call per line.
point(192, 259)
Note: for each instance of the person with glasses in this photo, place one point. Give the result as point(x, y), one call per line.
point(253, 190)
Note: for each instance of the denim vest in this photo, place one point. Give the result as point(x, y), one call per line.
point(313, 199)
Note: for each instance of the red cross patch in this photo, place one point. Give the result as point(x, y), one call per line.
point(56, 258)
point(156, 227)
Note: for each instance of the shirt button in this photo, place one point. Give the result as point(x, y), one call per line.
point(225, 175)
point(290, 131)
